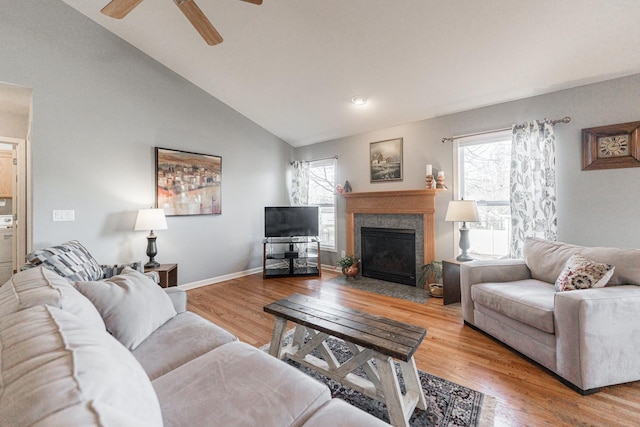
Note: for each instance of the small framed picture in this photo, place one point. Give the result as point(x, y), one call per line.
point(609, 147)
point(385, 160)
point(188, 183)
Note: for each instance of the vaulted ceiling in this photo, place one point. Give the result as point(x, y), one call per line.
point(292, 66)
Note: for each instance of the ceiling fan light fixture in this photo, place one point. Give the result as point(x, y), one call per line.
point(359, 100)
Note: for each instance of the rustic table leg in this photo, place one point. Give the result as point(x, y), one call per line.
point(298, 336)
point(279, 329)
point(412, 381)
point(391, 390)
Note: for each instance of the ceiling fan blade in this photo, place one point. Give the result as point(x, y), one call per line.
point(119, 8)
point(199, 21)
point(258, 2)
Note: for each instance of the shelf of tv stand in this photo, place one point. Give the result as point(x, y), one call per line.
point(291, 257)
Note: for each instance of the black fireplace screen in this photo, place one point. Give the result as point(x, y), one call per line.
point(389, 254)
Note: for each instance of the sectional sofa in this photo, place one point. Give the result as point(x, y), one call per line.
point(573, 309)
point(122, 351)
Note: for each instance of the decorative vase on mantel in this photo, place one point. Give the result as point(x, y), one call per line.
point(352, 270)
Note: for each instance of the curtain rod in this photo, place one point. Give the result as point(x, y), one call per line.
point(551, 122)
point(316, 160)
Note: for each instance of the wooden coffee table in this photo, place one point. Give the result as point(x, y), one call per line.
point(369, 337)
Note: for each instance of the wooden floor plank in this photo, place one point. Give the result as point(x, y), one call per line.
point(527, 395)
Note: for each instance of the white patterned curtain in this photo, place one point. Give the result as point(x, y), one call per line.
point(299, 195)
point(533, 185)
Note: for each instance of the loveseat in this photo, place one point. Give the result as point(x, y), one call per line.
point(589, 337)
point(122, 351)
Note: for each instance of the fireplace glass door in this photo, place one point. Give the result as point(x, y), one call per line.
point(389, 254)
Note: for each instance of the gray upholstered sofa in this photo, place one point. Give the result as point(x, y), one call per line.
point(122, 351)
point(589, 337)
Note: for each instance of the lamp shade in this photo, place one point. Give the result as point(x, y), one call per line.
point(150, 219)
point(462, 211)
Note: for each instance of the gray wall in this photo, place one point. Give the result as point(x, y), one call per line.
point(100, 108)
point(594, 207)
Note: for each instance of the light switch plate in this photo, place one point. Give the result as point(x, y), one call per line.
point(64, 215)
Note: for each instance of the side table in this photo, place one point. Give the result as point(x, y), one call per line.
point(168, 274)
point(451, 280)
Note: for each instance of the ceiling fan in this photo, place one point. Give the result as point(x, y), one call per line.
point(120, 8)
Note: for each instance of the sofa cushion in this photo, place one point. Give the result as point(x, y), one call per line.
point(528, 301)
point(179, 341)
point(547, 259)
point(57, 370)
point(338, 413)
point(70, 260)
point(582, 273)
point(38, 286)
point(110, 270)
point(238, 385)
point(131, 305)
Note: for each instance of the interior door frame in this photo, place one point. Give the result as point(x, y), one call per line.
point(23, 219)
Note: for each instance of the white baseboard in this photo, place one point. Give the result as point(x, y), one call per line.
point(329, 267)
point(211, 281)
point(231, 276)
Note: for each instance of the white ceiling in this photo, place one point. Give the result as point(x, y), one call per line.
point(292, 66)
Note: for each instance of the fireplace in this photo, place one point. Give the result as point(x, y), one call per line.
point(406, 202)
point(389, 254)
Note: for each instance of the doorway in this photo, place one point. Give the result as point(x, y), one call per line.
point(15, 218)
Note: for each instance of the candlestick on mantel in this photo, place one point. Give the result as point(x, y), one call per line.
point(440, 180)
point(429, 181)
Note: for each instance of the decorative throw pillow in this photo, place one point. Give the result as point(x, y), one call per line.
point(111, 270)
point(70, 260)
point(58, 371)
point(582, 273)
point(41, 286)
point(131, 305)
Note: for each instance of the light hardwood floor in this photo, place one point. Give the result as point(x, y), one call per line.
point(526, 394)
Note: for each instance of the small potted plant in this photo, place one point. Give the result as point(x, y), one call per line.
point(431, 278)
point(350, 265)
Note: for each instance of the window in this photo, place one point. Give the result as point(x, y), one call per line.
point(483, 173)
point(322, 184)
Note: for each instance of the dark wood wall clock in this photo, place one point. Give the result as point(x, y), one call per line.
point(609, 147)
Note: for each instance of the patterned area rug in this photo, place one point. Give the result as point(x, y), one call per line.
point(390, 289)
point(448, 404)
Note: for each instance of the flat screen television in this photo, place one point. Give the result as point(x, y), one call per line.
point(290, 221)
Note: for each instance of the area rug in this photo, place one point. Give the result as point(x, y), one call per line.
point(448, 404)
point(390, 289)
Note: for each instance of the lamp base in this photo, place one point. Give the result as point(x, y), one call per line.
point(460, 257)
point(464, 245)
point(152, 251)
point(152, 264)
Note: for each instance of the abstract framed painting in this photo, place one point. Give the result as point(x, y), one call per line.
point(188, 183)
point(385, 160)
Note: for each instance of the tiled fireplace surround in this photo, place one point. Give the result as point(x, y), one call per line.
point(408, 209)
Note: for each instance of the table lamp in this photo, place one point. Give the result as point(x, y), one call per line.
point(151, 219)
point(463, 211)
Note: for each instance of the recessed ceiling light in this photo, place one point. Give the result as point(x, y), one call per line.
point(359, 100)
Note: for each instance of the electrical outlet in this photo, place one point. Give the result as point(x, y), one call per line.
point(64, 215)
point(342, 253)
